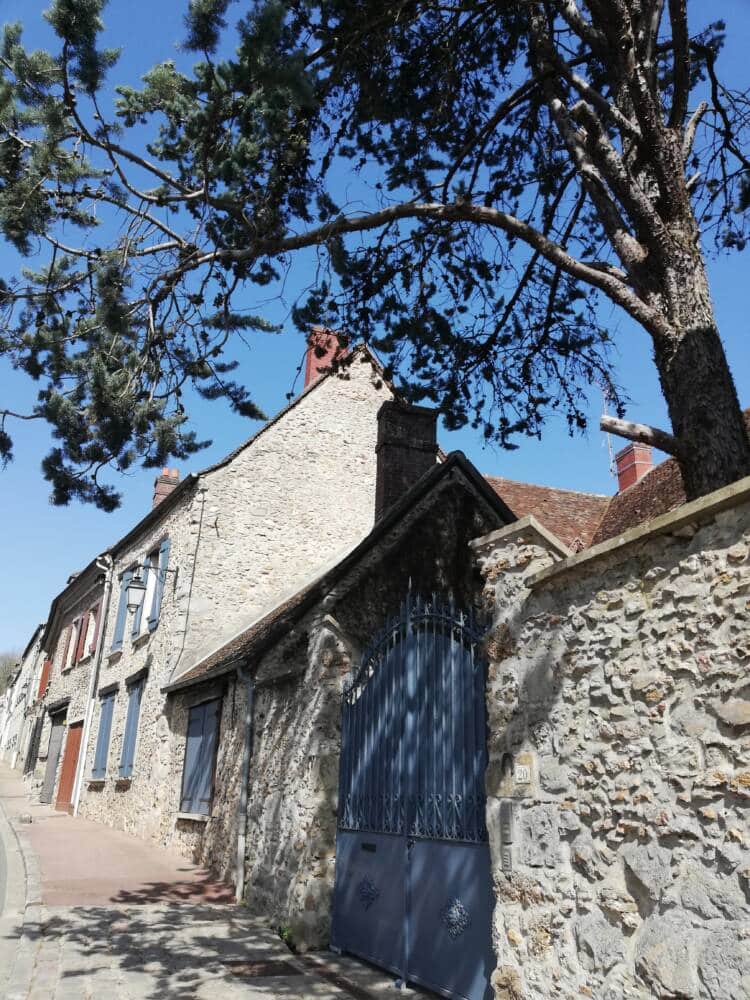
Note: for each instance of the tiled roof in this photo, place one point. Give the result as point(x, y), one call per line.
point(658, 492)
point(572, 516)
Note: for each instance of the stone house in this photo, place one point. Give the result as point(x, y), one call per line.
point(62, 696)
point(19, 696)
point(216, 551)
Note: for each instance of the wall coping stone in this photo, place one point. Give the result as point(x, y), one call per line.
point(522, 526)
point(700, 511)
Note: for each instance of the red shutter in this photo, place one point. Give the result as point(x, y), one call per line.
point(81, 643)
point(66, 646)
point(44, 679)
point(96, 611)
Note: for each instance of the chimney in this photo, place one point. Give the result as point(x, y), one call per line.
point(323, 348)
point(406, 449)
point(164, 483)
point(633, 462)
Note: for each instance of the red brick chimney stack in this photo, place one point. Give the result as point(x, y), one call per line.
point(323, 347)
point(633, 462)
point(164, 483)
point(406, 449)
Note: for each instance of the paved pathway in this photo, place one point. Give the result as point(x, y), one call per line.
point(94, 913)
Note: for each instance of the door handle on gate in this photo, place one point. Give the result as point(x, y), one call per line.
point(409, 844)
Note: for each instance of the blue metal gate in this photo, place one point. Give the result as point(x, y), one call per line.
point(413, 888)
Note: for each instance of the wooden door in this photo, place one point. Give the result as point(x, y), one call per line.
point(69, 765)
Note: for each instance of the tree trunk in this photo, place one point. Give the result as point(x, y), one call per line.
point(696, 381)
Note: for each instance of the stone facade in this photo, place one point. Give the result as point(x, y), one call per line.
point(19, 695)
point(245, 533)
point(67, 690)
point(294, 773)
point(619, 719)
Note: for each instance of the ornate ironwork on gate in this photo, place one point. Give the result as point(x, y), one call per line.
point(413, 887)
point(413, 740)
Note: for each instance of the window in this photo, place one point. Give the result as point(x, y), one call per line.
point(95, 622)
point(102, 740)
point(200, 756)
point(149, 575)
point(153, 573)
point(131, 728)
point(81, 627)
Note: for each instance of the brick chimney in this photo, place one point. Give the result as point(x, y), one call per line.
point(323, 347)
point(633, 462)
point(406, 449)
point(164, 483)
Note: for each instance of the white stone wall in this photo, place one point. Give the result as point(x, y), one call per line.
point(250, 533)
point(619, 719)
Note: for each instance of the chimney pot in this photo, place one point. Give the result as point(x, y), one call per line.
point(633, 462)
point(164, 484)
point(406, 449)
point(329, 343)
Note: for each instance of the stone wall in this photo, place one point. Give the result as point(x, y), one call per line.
point(619, 719)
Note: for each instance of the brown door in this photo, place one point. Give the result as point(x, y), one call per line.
point(68, 773)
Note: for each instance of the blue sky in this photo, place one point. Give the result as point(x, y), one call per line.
point(41, 544)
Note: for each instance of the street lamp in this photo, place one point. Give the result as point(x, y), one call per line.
point(134, 591)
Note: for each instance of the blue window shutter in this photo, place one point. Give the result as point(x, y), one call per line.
point(161, 577)
point(131, 730)
point(191, 775)
point(145, 570)
point(208, 753)
point(122, 610)
point(200, 752)
point(102, 741)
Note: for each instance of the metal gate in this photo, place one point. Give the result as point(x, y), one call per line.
point(413, 888)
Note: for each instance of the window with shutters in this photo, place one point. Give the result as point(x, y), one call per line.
point(102, 740)
point(149, 576)
point(81, 626)
point(44, 679)
point(135, 694)
point(200, 758)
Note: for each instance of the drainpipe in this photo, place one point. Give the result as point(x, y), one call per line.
point(239, 880)
point(105, 563)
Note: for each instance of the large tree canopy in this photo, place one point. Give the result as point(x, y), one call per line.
point(514, 162)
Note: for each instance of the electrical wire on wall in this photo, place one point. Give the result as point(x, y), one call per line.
point(202, 490)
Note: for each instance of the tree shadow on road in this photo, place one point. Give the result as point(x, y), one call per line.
point(172, 949)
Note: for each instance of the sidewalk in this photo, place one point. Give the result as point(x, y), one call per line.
point(94, 913)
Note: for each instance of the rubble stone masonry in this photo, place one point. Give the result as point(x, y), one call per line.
point(619, 720)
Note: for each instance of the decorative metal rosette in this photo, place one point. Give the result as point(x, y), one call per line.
point(368, 892)
point(456, 917)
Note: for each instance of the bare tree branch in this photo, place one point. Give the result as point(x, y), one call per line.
point(642, 433)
